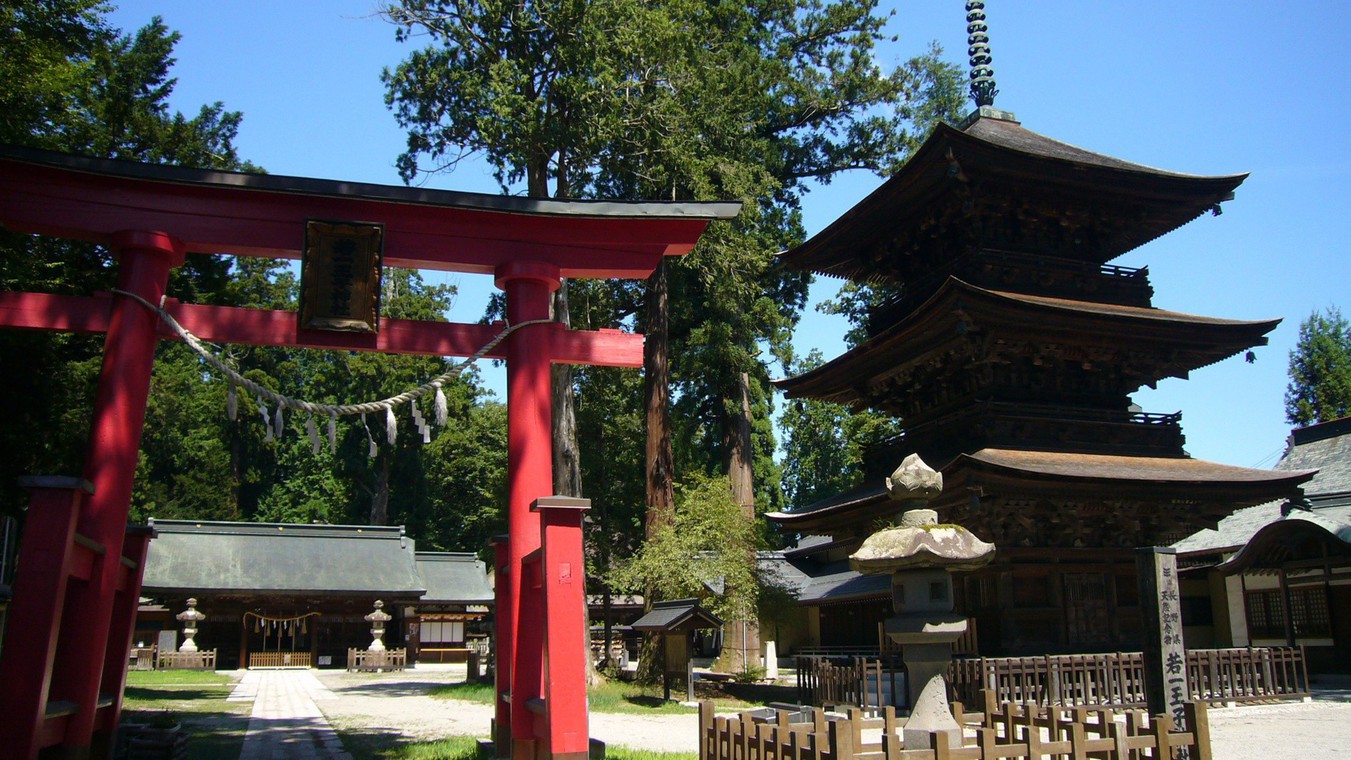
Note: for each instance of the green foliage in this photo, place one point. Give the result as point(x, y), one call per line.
point(676, 100)
point(825, 443)
point(1320, 370)
point(68, 81)
point(708, 545)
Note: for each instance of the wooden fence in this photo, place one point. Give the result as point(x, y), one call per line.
point(280, 660)
point(999, 731)
point(203, 660)
point(1117, 679)
point(856, 681)
point(385, 659)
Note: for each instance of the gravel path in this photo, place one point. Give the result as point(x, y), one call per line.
point(1294, 730)
point(365, 700)
point(1318, 729)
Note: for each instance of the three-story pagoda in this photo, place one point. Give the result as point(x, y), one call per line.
point(1009, 349)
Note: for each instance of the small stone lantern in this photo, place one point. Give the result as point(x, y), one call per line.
point(378, 620)
point(190, 617)
point(921, 555)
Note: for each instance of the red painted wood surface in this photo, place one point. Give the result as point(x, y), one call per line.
point(242, 221)
point(528, 248)
point(35, 617)
point(566, 637)
point(529, 477)
point(110, 466)
point(262, 327)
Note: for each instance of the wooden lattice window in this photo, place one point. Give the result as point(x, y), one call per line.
point(1308, 613)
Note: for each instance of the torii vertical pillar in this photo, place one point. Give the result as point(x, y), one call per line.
point(81, 618)
point(529, 287)
point(145, 259)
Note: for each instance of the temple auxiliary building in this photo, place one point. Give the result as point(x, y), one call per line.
point(1009, 348)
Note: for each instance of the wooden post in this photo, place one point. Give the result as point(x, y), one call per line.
point(46, 555)
point(563, 575)
point(528, 286)
point(144, 262)
point(689, 666)
point(1286, 608)
point(1165, 655)
point(705, 725)
point(841, 739)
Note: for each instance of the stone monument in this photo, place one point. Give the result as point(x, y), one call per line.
point(377, 620)
point(190, 617)
point(921, 555)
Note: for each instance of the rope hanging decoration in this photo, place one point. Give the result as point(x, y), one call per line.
point(274, 421)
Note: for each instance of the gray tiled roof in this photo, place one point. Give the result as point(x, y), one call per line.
point(676, 615)
point(454, 578)
point(222, 557)
point(1325, 447)
point(818, 583)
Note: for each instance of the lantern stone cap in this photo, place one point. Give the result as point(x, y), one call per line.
point(191, 613)
point(919, 542)
point(379, 616)
point(914, 481)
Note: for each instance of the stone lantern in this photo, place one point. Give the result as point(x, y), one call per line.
point(378, 620)
point(921, 555)
point(190, 617)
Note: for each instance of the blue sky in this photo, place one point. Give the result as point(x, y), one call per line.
point(1201, 86)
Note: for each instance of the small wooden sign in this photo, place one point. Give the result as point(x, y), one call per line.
point(340, 276)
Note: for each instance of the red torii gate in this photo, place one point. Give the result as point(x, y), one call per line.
point(80, 565)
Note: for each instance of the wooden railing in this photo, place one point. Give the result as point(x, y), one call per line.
point(386, 659)
point(855, 682)
point(1117, 679)
point(203, 660)
point(280, 660)
point(999, 731)
point(1246, 673)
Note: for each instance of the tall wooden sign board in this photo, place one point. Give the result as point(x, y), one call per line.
point(1161, 612)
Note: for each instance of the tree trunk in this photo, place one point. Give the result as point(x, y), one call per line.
point(657, 397)
point(567, 459)
point(660, 461)
point(380, 494)
point(741, 639)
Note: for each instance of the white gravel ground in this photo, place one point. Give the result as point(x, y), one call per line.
point(398, 703)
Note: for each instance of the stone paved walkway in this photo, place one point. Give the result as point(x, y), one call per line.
point(286, 724)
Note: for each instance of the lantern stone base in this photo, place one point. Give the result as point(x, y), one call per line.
point(926, 641)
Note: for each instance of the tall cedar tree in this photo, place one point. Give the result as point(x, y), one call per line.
point(1320, 370)
point(682, 100)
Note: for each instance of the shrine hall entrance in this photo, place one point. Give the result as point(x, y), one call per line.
point(279, 640)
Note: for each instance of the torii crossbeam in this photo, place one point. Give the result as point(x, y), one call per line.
point(149, 216)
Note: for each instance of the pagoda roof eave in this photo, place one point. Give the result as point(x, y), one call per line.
point(992, 147)
point(935, 322)
point(1108, 470)
point(1066, 474)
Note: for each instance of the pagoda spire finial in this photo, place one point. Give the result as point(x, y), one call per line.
point(978, 47)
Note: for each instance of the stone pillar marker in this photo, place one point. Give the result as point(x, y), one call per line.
point(920, 554)
point(1165, 655)
point(190, 617)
